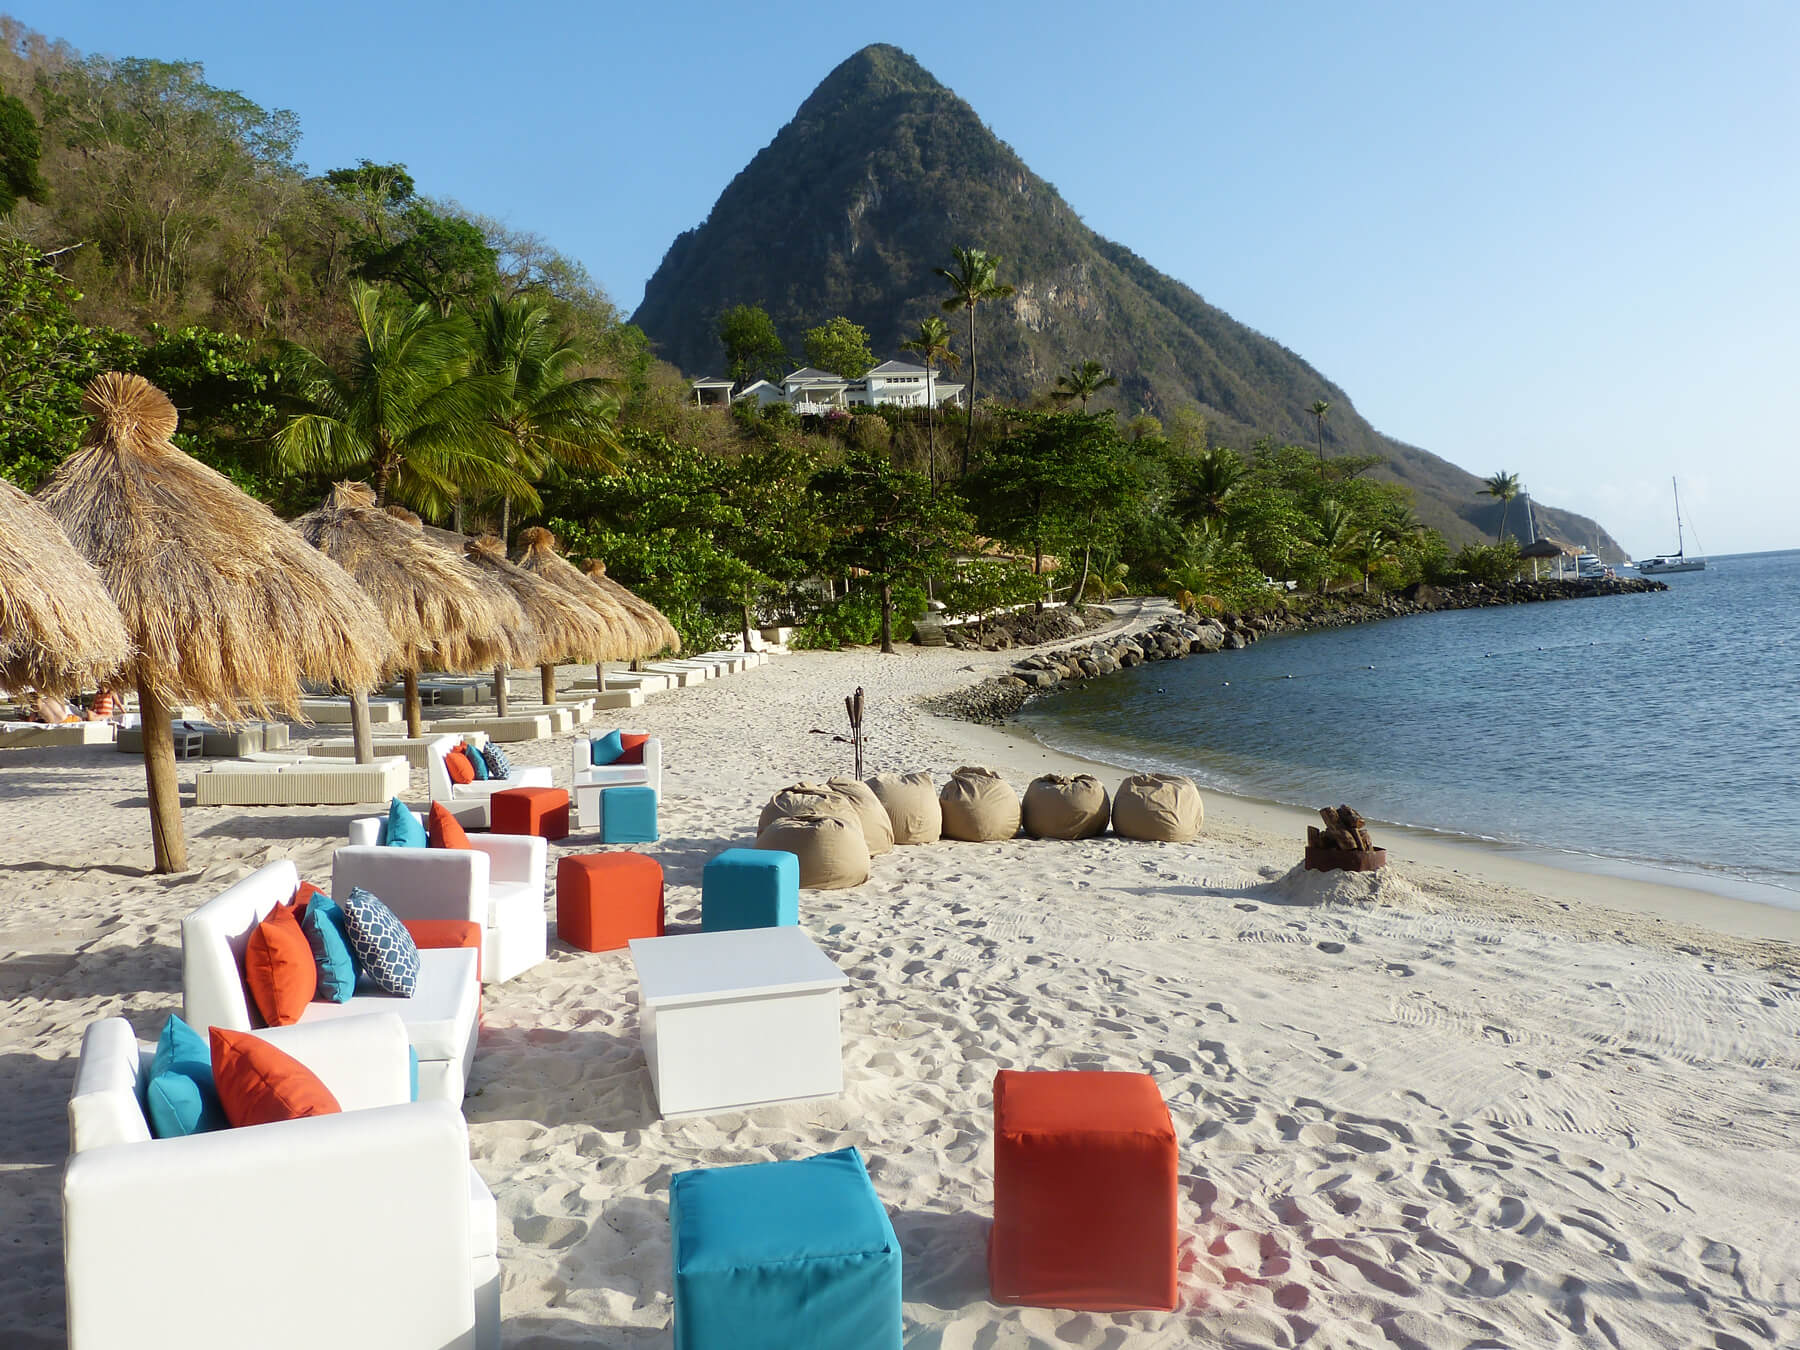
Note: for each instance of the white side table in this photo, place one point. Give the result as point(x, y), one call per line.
point(736, 1019)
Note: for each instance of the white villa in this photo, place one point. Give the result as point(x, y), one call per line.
point(810, 391)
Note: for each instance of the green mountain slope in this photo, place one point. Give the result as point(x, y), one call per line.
point(883, 170)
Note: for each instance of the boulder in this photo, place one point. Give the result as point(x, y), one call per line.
point(911, 803)
point(1056, 807)
point(979, 806)
point(832, 851)
point(877, 829)
point(1158, 806)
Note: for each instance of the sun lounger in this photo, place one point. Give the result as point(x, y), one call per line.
point(531, 726)
point(413, 749)
point(23, 735)
point(336, 711)
point(299, 781)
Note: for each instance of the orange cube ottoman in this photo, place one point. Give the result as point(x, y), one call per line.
point(429, 933)
point(543, 811)
point(603, 900)
point(1084, 1192)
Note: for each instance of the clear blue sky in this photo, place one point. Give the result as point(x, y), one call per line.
point(1557, 238)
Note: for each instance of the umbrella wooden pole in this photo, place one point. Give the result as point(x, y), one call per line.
point(500, 690)
point(600, 677)
point(159, 777)
point(362, 740)
point(547, 684)
point(415, 715)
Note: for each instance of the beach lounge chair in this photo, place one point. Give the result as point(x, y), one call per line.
point(499, 877)
point(468, 802)
point(188, 1241)
point(441, 1017)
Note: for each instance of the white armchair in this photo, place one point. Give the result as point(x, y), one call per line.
point(468, 802)
point(499, 877)
point(586, 773)
point(441, 1018)
point(383, 1192)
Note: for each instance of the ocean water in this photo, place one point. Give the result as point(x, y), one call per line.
point(1658, 730)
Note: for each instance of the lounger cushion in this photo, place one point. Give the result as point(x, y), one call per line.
point(607, 749)
point(259, 1084)
point(403, 829)
point(444, 830)
point(476, 762)
point(279, 969)
point(383, 947)
point(328, 934)
point(179, 1096)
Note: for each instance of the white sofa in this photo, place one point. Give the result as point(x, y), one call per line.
point(173, 1242)
point(469, 802)
point(499, 877)
point(586, 773)
point(441, 1017)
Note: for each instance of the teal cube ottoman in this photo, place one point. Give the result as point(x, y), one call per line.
point(749, 888)
point(784, 1256)
point(628, 815)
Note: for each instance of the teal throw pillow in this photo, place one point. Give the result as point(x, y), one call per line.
point(608, 748)
point(403, 828)
point(179, 1097)
point(328, 932)
point(476, 761)
point(384, 949)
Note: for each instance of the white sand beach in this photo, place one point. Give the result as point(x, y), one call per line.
point(1468, 1101)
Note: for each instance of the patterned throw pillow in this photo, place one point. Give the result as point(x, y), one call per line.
point(499, 766)
point(384, 949)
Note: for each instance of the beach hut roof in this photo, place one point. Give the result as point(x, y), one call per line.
point(227, 606)
point(59, 629)
point(539, 556)
point(1547, 548)
point(438, 609)
point(659, 631)
point(566, 629)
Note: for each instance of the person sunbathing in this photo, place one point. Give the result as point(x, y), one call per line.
point(50, 709)
point(104, 707)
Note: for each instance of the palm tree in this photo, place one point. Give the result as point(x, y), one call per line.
point(1371, 549)
point(974, 279)
point(403, 409)
point(1213, 477)
point(1337, 540)
point(1083, 382)
point(1319, 408)
point(1503, 487)
point(932, 343)
point(548, 419)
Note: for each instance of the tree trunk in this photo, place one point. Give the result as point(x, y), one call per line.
point(159, 777)
point(505, 520)
point(456, 519)
point(362, 740)
point(746, 630)
point(969, 440)
point(887, 617)
point(415, 713)
point(1037, 570)
point(1087, 555)
point(500, 690)
point(930, 432)
point(547, 685)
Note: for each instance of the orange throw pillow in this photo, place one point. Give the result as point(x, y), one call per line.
point(457, 765)
point(302, 898)
point(633, 743)
point(444, 830)
point(259, 1084)
point(279, 969)
point(434, 933)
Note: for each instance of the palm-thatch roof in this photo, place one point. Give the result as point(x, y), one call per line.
point(567, 630)
point(659, 632)
point(59, 629)
point(228, 607)
point(438, 610)
point(539, 557)
point(1547, 548)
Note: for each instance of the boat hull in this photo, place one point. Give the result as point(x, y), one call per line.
point(1652, 567)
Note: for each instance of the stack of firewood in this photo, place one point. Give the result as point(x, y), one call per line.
point(1343, 829)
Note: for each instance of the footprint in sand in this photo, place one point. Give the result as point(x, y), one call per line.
point(1331, 948)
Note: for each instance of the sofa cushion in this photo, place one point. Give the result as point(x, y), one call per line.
point(444, 830)
point(499, 766)
point(259, 1084)
point(279, 970)
point(607, 749)
point(328, 934)
point(430, 933)
point(484, 1218)
point(476, 762)
point(104, 1108)
point(632, 747)
point(440, 1016)
point(179, 1096)
point(402, 828)
point(457, 765)
point(383, 947)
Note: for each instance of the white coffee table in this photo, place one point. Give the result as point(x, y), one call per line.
point(740, 1018)
point(595, 781)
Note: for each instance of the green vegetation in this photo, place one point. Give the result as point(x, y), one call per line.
point(931, 344)
point(1081, 382)
point(839, 346)
point(974, 278)
point(1502, 487)
point(753, 349)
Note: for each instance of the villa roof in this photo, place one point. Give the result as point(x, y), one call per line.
point(813, 375)
point(897, 368)
point(713, 382)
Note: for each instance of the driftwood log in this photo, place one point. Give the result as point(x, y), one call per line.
point(1343, 829)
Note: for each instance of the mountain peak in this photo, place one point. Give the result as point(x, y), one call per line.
point(877, 71)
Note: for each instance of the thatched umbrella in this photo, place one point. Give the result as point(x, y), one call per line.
point(59, 629)
point(1545, 548)
point(540, 558)
point(437, 609)
point(227, 606)
point(658, 634)
point(567, 630)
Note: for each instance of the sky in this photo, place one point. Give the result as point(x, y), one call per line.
point(1557, 239)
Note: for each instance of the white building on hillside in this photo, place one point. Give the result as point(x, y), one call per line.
point(813, 392)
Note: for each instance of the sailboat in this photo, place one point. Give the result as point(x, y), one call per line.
point(1679, 561)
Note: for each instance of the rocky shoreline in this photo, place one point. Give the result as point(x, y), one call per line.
point(1175, 636)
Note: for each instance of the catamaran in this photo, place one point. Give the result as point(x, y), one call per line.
point(1678, 561)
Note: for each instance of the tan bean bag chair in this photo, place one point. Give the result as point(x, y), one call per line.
point(1066, 808)
point(809, 799)
point(877, 829)
point(979, 806)
point(831, 849)
point(911, 802)
point(1161, 806)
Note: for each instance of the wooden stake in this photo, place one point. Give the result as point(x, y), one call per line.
point(600, 677)
point(500, 690)
point(415, 713)
point(547, 684)
point(159, 776)
point(362, 740)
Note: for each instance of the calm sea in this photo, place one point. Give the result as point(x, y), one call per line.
point(1659, 730)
